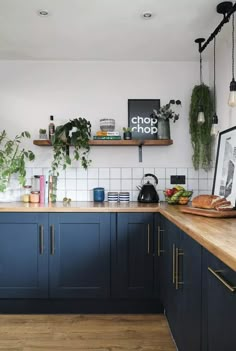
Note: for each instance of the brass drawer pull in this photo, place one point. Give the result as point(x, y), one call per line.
point(41, 242)
point(52, 235)
point(159, 251)
point(173, 264)
point(222, 280)
point(148, 239)
point(178, 252)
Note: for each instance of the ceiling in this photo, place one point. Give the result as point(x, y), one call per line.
point(105, 29)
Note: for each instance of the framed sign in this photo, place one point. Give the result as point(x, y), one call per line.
point(224, 183)
point(141, 120)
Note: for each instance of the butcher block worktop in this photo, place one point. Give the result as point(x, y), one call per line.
point(216, 235)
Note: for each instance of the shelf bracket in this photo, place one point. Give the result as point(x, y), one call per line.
point(140, 152)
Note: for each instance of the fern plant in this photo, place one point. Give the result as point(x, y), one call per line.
point(201, 134)
point(12, 158)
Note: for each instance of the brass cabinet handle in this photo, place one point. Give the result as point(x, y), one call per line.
point(173, 264)
point(148, 239)
point(41, 242)
point(222, 280)
point(178, 252)
point(52, 235)
point(159, 251)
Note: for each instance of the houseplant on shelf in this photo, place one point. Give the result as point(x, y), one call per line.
point(75, 133)
point(127, 135)
point(12, 162)
point(164, 115)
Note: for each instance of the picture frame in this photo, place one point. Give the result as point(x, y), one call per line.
point(141, 120)
point(224, 182)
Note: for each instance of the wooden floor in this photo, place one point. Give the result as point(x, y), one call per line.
point(85, 332)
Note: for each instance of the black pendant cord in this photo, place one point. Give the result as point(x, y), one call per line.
point(214, 72)
point(200, 68)
point(233, 46)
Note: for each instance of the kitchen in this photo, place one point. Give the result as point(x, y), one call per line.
point(45, 70)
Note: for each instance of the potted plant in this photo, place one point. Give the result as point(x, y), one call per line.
point(127, 135)
point(12, 159)
point(76, 133)
point(42, 134)
point(164, 115)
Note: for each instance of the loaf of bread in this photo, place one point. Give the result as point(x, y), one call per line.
point(211, 202)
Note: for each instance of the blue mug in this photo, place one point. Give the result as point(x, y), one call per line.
point(98, 194)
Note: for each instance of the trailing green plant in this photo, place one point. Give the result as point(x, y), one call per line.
point(12, 158)
point(201, 133)
point(76, 133)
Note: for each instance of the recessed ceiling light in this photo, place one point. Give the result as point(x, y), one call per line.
point(147, 15)
point(43, 13)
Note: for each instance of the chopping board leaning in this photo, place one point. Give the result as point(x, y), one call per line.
point(209, 213)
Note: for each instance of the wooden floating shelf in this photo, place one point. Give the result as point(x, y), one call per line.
point(165, 142)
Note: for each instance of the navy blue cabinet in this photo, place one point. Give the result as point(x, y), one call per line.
point(23, 255)
point(180, 264)
point(79, 260)
point(132, 256)
point(220, 304)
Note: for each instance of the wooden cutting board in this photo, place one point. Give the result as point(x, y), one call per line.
point(209, 213)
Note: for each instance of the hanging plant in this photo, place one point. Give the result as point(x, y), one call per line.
point(201, 133)
point(76, 133)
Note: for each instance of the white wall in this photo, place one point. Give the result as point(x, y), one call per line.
point(32, 91)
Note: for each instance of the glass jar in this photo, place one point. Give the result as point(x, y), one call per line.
point(35, 183)
point(34, 196)
point(26, 193)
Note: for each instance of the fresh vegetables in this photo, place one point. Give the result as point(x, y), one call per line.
point(178, 195)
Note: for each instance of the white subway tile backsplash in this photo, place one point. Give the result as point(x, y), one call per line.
point(115, 173)
point(82, 184)
point(126, 184)
point(78, 183)
point(104, 173)
point(126, 173)
point(203, 184)
point(71, 184)
point(82, 173)
point(148, 170)
point(160, 173)
point(46, 171)
point(138, 173)
point(92, 183)
point(115, 185)
point(170, 172)
point(92, 173)
point(192, 173)
point(71, 173)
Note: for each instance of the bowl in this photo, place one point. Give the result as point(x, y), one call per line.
point(180, 198)
point(107, 124)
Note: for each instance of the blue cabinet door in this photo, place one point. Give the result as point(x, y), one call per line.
point(181, 293)
point(23, 255)
point(221, 305)
point(133, 256)
point(79, 259)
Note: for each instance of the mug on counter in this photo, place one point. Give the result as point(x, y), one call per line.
point(98, 194)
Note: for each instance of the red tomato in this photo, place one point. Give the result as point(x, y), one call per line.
point(169, 192)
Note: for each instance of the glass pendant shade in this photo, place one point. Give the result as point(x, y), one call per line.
point(200, 116)
point(232, 94)
point(214, 127)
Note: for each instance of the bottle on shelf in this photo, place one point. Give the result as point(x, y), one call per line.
point(51, 128)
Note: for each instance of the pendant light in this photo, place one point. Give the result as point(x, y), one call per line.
point(214, 127)
point(200, 116)
point(232, 87)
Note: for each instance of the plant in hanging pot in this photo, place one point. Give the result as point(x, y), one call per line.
point(164, 115)
point(201, 132)
point(75, 133)
point(12, 161)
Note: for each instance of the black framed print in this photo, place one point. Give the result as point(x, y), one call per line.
point(224, 183)
point(141, 119)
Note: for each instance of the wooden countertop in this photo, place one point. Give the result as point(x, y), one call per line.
point(216, 235)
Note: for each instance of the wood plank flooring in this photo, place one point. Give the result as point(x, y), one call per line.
point(85, 332)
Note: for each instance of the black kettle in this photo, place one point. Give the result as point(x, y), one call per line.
point(148, 191)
